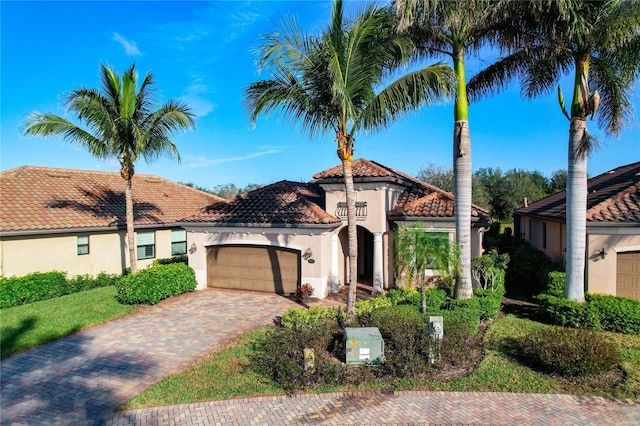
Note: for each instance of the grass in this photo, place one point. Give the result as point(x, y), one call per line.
point(23, 327)
point(228, 374)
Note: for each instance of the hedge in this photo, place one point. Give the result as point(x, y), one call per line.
point(149, 286)
point(598, 312)
point(38, 286)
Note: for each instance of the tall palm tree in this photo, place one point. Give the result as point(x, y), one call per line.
point(599, 42)
point(329, 83)
point(455, 28)
point(121, 123)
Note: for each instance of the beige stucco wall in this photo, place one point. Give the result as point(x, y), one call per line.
point(601, 273)
point(21, 255)
point(532, 231)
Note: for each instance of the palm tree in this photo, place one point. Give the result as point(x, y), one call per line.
point(454, 28)
point(599, 41)
point(121, 123)
point(418, 250)
point(328, 83)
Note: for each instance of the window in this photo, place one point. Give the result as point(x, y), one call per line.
point(544, 235)
point(146, 245)
point(83, 244)
point(178, 242)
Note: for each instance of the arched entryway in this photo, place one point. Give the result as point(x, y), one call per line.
point(365, 255)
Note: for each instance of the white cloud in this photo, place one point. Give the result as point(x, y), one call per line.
point(130, 47)
point(199, 162)
point(196, 98)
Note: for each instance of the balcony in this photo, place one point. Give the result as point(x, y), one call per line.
point(361, 210)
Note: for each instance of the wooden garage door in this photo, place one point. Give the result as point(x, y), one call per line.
point(257, 268)
point(628, 275)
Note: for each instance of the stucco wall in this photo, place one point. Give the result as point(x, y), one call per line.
point(316, 242)
point(43, 253)
point(601, 277)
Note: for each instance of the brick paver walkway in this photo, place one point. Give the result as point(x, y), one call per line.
point(86, 375)
point(80, 379)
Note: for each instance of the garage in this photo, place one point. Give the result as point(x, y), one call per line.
point(257, 268)
point(628, 273)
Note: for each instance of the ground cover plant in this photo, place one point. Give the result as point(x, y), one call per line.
point(26, 326)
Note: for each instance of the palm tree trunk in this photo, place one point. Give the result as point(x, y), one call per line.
point(130, 232)
point(352, 238)
point(576, 212)
point(462, 179)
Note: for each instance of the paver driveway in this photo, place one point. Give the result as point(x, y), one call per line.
point(83, 377)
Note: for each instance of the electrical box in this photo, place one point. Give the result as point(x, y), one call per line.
point(364, 345)
point(436, 327)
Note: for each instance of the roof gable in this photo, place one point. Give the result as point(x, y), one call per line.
point(47, 199)
point(282, 203)
point(612, 197)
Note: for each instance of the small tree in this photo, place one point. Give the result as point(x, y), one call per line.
point(489, 270)
point(418, 250)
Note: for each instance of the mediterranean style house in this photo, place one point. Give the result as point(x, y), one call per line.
point(74, 220)
point(286, 234)
point(613, 230)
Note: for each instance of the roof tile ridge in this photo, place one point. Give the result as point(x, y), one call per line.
point(322, 214)
point(617, 197)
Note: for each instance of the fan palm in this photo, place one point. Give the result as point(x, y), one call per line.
point(599, 42)
point(454, 28)
point(329, 82)
point(121, 124)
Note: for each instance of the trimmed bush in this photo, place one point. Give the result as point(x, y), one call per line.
point(617, 314)
point(406, 338)
point(38, 286)
point(169, 260)
point(280, 356)
point(463, 316)
point(301, 318)
point(490, 302)
point(401, 295)
point(528, 271)
point(152, 285)
point(569, 352)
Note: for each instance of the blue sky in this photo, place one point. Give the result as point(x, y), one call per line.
point(202, 53)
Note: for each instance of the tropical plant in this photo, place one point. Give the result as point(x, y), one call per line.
point(454, 29)
point(489, 269)
point(335, 82)
point(122, 124)
point(418, 251)
point(599, 41)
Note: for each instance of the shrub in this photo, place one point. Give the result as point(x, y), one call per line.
point(401, 295)
point(568, 352)
point(366, 306)
point(462, 316)
point(301, 318)
point(435, 298)
point(149, 286)
point(169, 260)
point(406, 337)
point(562, 311)
point(280, 356)
point(556, 282)
point(528, 271)
point(489, 269)
point(617, 314)
point(490, 302)
point(38, 286)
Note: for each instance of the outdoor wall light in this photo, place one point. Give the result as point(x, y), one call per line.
point(307, 254)
point(193, 248)
point(601, 253)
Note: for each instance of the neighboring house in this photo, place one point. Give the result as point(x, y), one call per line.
point(74, 220)
point(280, 236)
point(613, 230)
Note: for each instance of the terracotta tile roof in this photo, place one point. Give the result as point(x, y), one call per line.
point(420, 199)
point(613, 197)
point(281, 203)
point(47, 199)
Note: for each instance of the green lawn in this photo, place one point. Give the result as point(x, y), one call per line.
point(228, 373)
point(26, 326)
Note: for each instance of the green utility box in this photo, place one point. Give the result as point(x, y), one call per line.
point(364, 345)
